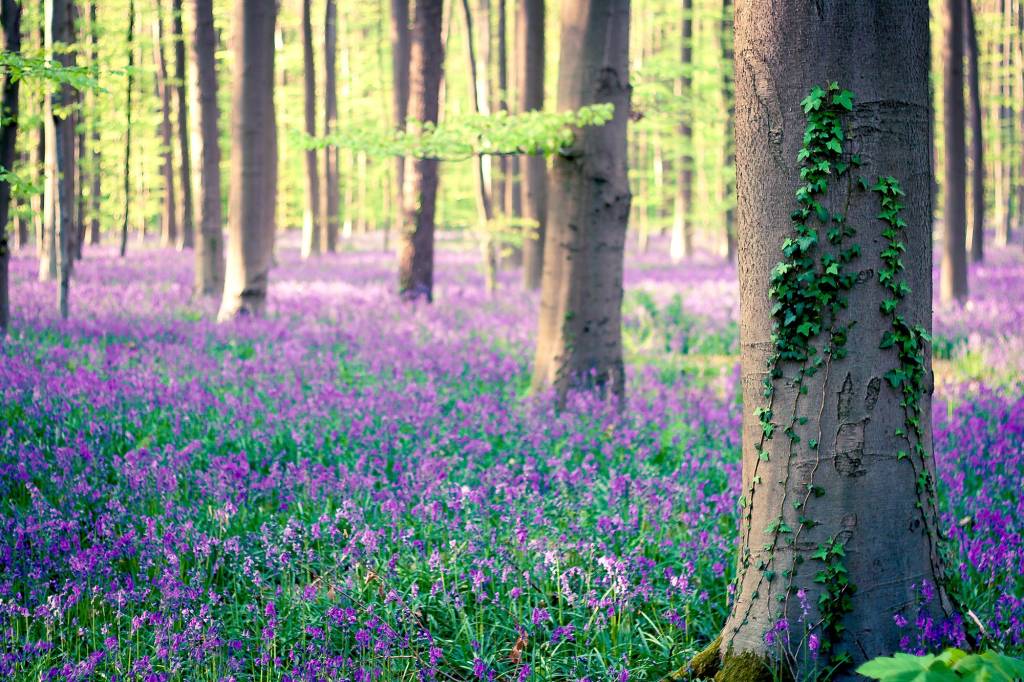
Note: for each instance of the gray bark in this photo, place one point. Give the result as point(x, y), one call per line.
point(400, 56)
point(10, 24)
point(329, 217)
point(530, 79)
point(95, 191)
point(681, 245)
point(953, 280)
point(730, 133)
point(60, 148)
point(187, 232)
point(128, 129)
point(579, 338)
point(977, 141)
point(169, 214)
point(311, 216)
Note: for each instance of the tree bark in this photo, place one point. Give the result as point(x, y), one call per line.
point(169, 215)
point(209, 266)
point(329, 218)
point(10, 24)
point(253, 182)
point(953, 280)
point(95, 191)
point(977, 141)
point(60, 143)
point(311, 216)
point(730, 133)
point(681, 245)
point(128, 129)
point(1019, 83)
point(416, 244)
point(846, 447)
point(400, 59)
point(530, 79)
point(579, 338)
point(187, 232)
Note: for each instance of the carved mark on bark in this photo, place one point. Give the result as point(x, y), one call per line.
point(767, 95)
point(850, 449)
point(845, 406)
point(865, 275)
point(874, 386)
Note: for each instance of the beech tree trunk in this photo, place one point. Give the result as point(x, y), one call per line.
point(60, 147)
point(169, 215)
point(579, 337)
point(253, 193)
point(209, 275)
point(10, 24)
point(730, 133)
point(681, 245)
point(128, 129)
point(400, 56)
point(419, 195)
point(1019, 84)
point(977, 140)
point(311, 215)
point(96, 178)
point(844, 424)
point(953, 280)
point(530, 80)
point(187, 232)
point(329, 219)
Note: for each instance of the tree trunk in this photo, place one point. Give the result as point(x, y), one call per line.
point(400, 56)
point(311, 216)
point(841, 482)
point(253, 194)
point(187, 233)
point(579, 337)
point(530, 79)
point(329, 219)
point(10, 24)
point(977, 233)
point(95, 191)
point(1019, 83)
point(169, 215)
point(209, 275)
point(681, 245)
point(128, 129)
point(953, 282)
point(1006, 117)
point(730, 133)
point(60, 143)
point(416, 244)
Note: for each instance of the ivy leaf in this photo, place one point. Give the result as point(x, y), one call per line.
point(844, 99)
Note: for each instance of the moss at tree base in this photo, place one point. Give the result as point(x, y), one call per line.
point(708, 665)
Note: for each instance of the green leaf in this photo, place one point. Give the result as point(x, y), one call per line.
point(844, 99)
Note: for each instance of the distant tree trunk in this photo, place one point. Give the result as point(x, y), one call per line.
point(579, 336)
point(530, 79)
point(843, 416)
point(253, 193)
point(1006, 116)
point(977, 141)
point(1019, 99)
point(94, 126)
point(999, 167)
point(730, 133)
point(60, 143)
point(78, 177)
point(400, 59)
point(682, 229)
point(329, 219)
point(169, 215)
point(953, 282)
point(209, 275)
point(187, 233)
point(311, 216)
point(416, 246)
point(10, 24)
point(128, 129)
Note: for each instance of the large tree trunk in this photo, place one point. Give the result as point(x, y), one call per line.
point(953, 281)
point(730, 133)
point(400, 56)
point(977, 142)
point(530, 79)
point(253, 193)
point(419, 195)
point(329, 219)
point(209, 276)
point(128, 129)
point(822, 468)
point(579, 336)
point(311, 215)
point(169, 215)
point(10, 24)
point(681, 245)
point(187, 233)
point(96, 188)
point(60, 143)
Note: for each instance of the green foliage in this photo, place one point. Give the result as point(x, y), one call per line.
point(951, 665)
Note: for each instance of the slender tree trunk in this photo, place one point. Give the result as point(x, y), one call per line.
point(579, 337)
point(253, 192)
point(209, 275)
point(329, 219)
point(311, 216)
point(187, 233)
point(347, 155)
point(128, 130)
point(60, 143)
point(843, 415)
point(416, 245)
point(10, 24)
point(730, 133)
point(999, 175)
point(96, 177)
point(1009, 78)
point(682, 229)
point(977, 233)
point(530, 79)
point(400, 59)
point(953, 282)
point(1019, 83)
point(169, 215)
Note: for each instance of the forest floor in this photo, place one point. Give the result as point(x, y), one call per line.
point(357, 489)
